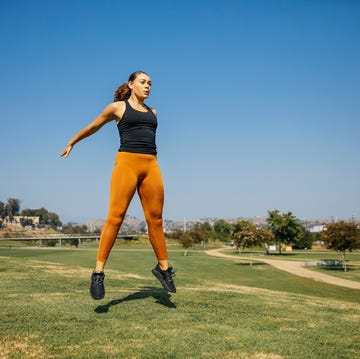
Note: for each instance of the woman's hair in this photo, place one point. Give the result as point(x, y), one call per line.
point(123, 92)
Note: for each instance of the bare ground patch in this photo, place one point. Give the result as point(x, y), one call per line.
point(22, 347)
point(52, 267)
point(243, 355)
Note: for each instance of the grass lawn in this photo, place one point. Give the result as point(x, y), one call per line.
point(222, 309)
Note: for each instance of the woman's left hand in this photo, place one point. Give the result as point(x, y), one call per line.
point(67, 151)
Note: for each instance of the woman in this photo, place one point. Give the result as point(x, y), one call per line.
point(136, 168)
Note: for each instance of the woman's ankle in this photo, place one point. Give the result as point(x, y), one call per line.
point(163, 264)
point(99, 266)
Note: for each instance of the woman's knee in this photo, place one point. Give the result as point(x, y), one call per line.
point(115, 220)
point(154, 221)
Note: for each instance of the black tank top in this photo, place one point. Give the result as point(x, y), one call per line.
point(137, 131)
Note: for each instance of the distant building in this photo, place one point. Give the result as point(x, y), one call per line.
point(17, 220)
point(317, 228)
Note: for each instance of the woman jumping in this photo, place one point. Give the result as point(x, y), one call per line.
point(136, 169)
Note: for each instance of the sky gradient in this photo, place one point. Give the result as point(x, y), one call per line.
point(258, 104)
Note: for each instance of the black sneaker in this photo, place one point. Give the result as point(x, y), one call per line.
point(97, 289)
point(165, 277)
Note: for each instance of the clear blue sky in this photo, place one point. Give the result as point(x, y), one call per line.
point(258, 103)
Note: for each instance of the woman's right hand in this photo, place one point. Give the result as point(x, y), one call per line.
point(67, 151)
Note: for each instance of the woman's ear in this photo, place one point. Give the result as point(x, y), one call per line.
point(130, 85)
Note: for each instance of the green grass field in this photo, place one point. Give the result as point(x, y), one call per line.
point(222, 309)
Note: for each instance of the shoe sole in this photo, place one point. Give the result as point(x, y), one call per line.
point(160, 278)
point(97, 298)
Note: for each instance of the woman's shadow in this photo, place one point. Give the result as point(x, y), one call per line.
point(161, 296)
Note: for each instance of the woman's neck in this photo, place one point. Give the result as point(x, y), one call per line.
point(137, 104)
point(135, 101)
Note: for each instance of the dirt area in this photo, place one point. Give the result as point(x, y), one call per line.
point(17, 231)
point(293, 268)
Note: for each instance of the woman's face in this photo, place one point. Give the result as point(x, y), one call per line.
point(141, 86)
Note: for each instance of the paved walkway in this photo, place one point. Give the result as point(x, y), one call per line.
point(292, 267)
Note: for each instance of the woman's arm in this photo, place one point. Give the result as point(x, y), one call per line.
point(111, 112)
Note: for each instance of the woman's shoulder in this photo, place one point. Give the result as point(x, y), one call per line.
point(118, 104)
point(151, 109)
point(117, 108)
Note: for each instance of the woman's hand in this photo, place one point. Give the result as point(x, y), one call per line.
point(67, 151)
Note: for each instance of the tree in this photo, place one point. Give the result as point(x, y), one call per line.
point(206, 227)
point(26, 222)
point(208, 230)
point(266, 237)
point(246, 236)
point(2, 213)
point(222, 229)
point(250, 236)
point(77, 229)
point(239, 225)
point(12, 208)
point(342, 236)
point(198, 234)
point(2, 210)
point(285, 227)
point(176, 234)
point(186, 241)
point(307, 239)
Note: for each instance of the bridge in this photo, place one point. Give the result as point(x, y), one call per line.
point(66, 237)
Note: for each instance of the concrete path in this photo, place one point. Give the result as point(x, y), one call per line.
point(292, 267)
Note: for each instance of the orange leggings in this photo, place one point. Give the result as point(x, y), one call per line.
point(141, 172)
